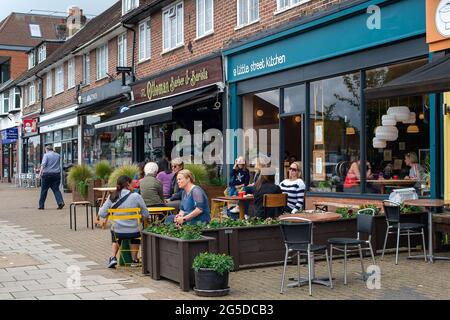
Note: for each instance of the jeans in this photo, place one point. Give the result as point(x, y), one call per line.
point(50, 181)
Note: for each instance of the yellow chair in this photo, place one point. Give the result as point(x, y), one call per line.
point(124, 214)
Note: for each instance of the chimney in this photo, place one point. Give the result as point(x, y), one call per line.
point(75, 21)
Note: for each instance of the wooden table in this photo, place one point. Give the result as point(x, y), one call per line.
point(241, 201)
point(429, 204)
point(106, 191)
point(314, 217)
point(397, 183)
point(159, 211)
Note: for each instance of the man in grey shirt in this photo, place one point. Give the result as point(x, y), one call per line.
point(51, 177)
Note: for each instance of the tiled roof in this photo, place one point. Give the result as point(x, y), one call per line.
point(15, 29)
point(93, 29)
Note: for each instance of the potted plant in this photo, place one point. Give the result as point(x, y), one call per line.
point(212, 274)
point(126, 170)
point(102, 171)
point(78, 180)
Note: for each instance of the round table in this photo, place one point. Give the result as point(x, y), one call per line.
point(241, 201)
point(429, 204)
point(314, 217)
point(158, 212)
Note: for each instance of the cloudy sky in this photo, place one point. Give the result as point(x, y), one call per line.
point(93, 7)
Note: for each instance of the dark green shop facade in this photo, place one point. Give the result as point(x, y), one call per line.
point(302, 89)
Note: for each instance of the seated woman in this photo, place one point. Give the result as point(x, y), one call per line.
point(151, 188)
point(294, 187)
point(240, 178)
point(123, 198)
point(194, 205)
point(165, 176)
point(353, 177)
point(175, 192)
point(416, 170)
point(265, 185)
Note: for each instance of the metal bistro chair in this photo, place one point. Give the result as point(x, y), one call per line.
point(395, 226)
point(364, 225)
point(115, 215)
point(297, 238)
point(272, 201)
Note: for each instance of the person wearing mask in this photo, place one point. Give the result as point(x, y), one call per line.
point(294, 187)
point(175, 191)
point(165, 176)
point(265, 185)
point(194, 206)
point(123, 198)
point(151, 188)
point(50, 175)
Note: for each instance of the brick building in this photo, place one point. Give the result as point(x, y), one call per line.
point(19, 33)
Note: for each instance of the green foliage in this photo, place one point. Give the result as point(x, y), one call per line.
point(126, 170)
point(325, 185)
point(404, 208)
point(78, 178)
point(346, 213)
point(200, 173)
point(103, 170)
point(184, 232)
point(370, 206)
point(230, 223)
point(220, 263)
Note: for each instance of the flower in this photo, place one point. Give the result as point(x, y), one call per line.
point(350, 212)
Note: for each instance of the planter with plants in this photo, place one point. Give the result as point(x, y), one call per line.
point(79, 179)
point(168, 252)
point(212, 274)
point(125, 170)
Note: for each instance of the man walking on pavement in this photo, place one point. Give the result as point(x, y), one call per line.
point(51, 177)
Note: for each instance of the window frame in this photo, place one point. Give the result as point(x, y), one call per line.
point(31, 93)
point(147, 45)
point(122, 40)
point(31, 60)
point(49, 85)
point(42, 53)
point(59, 77)
point(206, 32)
point(241, 25)
point(98, 65)
point(290, 6)
point(132, 4)
point(5, 97)
point(86, 69)
point(178, 44)
point(71, 77)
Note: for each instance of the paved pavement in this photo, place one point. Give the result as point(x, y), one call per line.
point(40, 255)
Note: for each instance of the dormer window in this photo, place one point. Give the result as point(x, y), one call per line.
point(129, 5)
point(35, 31)
point(31, 60)
point(42, 53)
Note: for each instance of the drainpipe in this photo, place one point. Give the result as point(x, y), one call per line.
point(42, 93)
point(133, 60)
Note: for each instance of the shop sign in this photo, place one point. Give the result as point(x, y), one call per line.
point(180, 80)
point(102, 93)
point(10, 135)
point(60, 125)
point(438, 24)
point(30, 126)
point(129, 125)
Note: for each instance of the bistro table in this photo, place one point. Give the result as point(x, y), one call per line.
point(158, 212)
point(106, 191)
point(383, 183)
point(312, 216)
point(241, 200)
point(429, 204)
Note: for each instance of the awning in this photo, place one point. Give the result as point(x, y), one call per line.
point(431, 78)
point(149, 113)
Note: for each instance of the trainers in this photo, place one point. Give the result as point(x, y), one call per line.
point(112, 262)
point(234, 210)
point(61, 205)
point(135, 263)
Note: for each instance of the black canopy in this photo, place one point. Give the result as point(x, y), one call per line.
point(431, 78)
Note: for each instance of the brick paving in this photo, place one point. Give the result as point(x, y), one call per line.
point(45, 238)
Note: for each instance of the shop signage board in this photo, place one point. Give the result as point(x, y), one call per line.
point(318, 40)
point(60, 125)
point(438, 24)
point(10, 135)
point(30, 126)
point(102, 93)
point(178, 81)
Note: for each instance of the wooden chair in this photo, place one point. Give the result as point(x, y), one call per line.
point(124, 214)
point(274, 201)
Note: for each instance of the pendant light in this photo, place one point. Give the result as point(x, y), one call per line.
point(350, 131)
point(388, 133)
point(412, 119)
point(413, 128)
point(388, 120)
point(379, 143)
point(400, 113)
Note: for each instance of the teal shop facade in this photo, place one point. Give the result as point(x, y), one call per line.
point(307, 80)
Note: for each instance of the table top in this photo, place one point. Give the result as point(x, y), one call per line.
point(392, 181)
point(425, 202)
point(160, 209)
point(314, 217)
point(105, 189)
point(246, 198)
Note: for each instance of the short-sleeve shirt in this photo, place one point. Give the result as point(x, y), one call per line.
point(196, 198)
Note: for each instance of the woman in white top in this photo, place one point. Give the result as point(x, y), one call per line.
point(294, 187)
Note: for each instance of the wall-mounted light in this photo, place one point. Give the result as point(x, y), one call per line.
point(350, 131)
point(260, 113)
point(298, 119)
point(421, 116)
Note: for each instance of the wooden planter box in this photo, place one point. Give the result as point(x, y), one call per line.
point(92, 195)
point(171, 258)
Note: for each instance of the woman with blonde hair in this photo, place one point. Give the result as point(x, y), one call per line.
point(294, 187)
point(416, 171)
point(194, 207)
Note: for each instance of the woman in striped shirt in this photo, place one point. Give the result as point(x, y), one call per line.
point(294, 187)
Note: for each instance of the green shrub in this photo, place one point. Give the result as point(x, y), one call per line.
point(200, 173)
point(404, 208)
point(346, 213)
point(184, 232)
point(230, 223)
point(126, 170)
point(370, 206)
point(220, 263)
point(78, 178)
point(103, 170)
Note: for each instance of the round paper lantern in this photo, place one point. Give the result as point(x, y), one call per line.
point(388, 120)
point(388, 133)
point(400, 113)
point(378, 143)
point(412, 119)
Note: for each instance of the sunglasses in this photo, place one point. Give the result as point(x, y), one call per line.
point(293, 169)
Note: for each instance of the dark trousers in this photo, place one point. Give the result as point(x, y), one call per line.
point(50, 181)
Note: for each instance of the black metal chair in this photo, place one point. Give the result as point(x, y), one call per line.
point(346, 245)
point(395, 226)
point(297, 238)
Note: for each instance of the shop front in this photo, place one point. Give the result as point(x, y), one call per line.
point(32, 145)
point(9, 163)
point(186, 97)
point(304, 92)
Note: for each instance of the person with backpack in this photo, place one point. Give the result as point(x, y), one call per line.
point(123, 198)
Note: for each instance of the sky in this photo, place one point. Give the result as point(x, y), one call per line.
point(94, 7)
